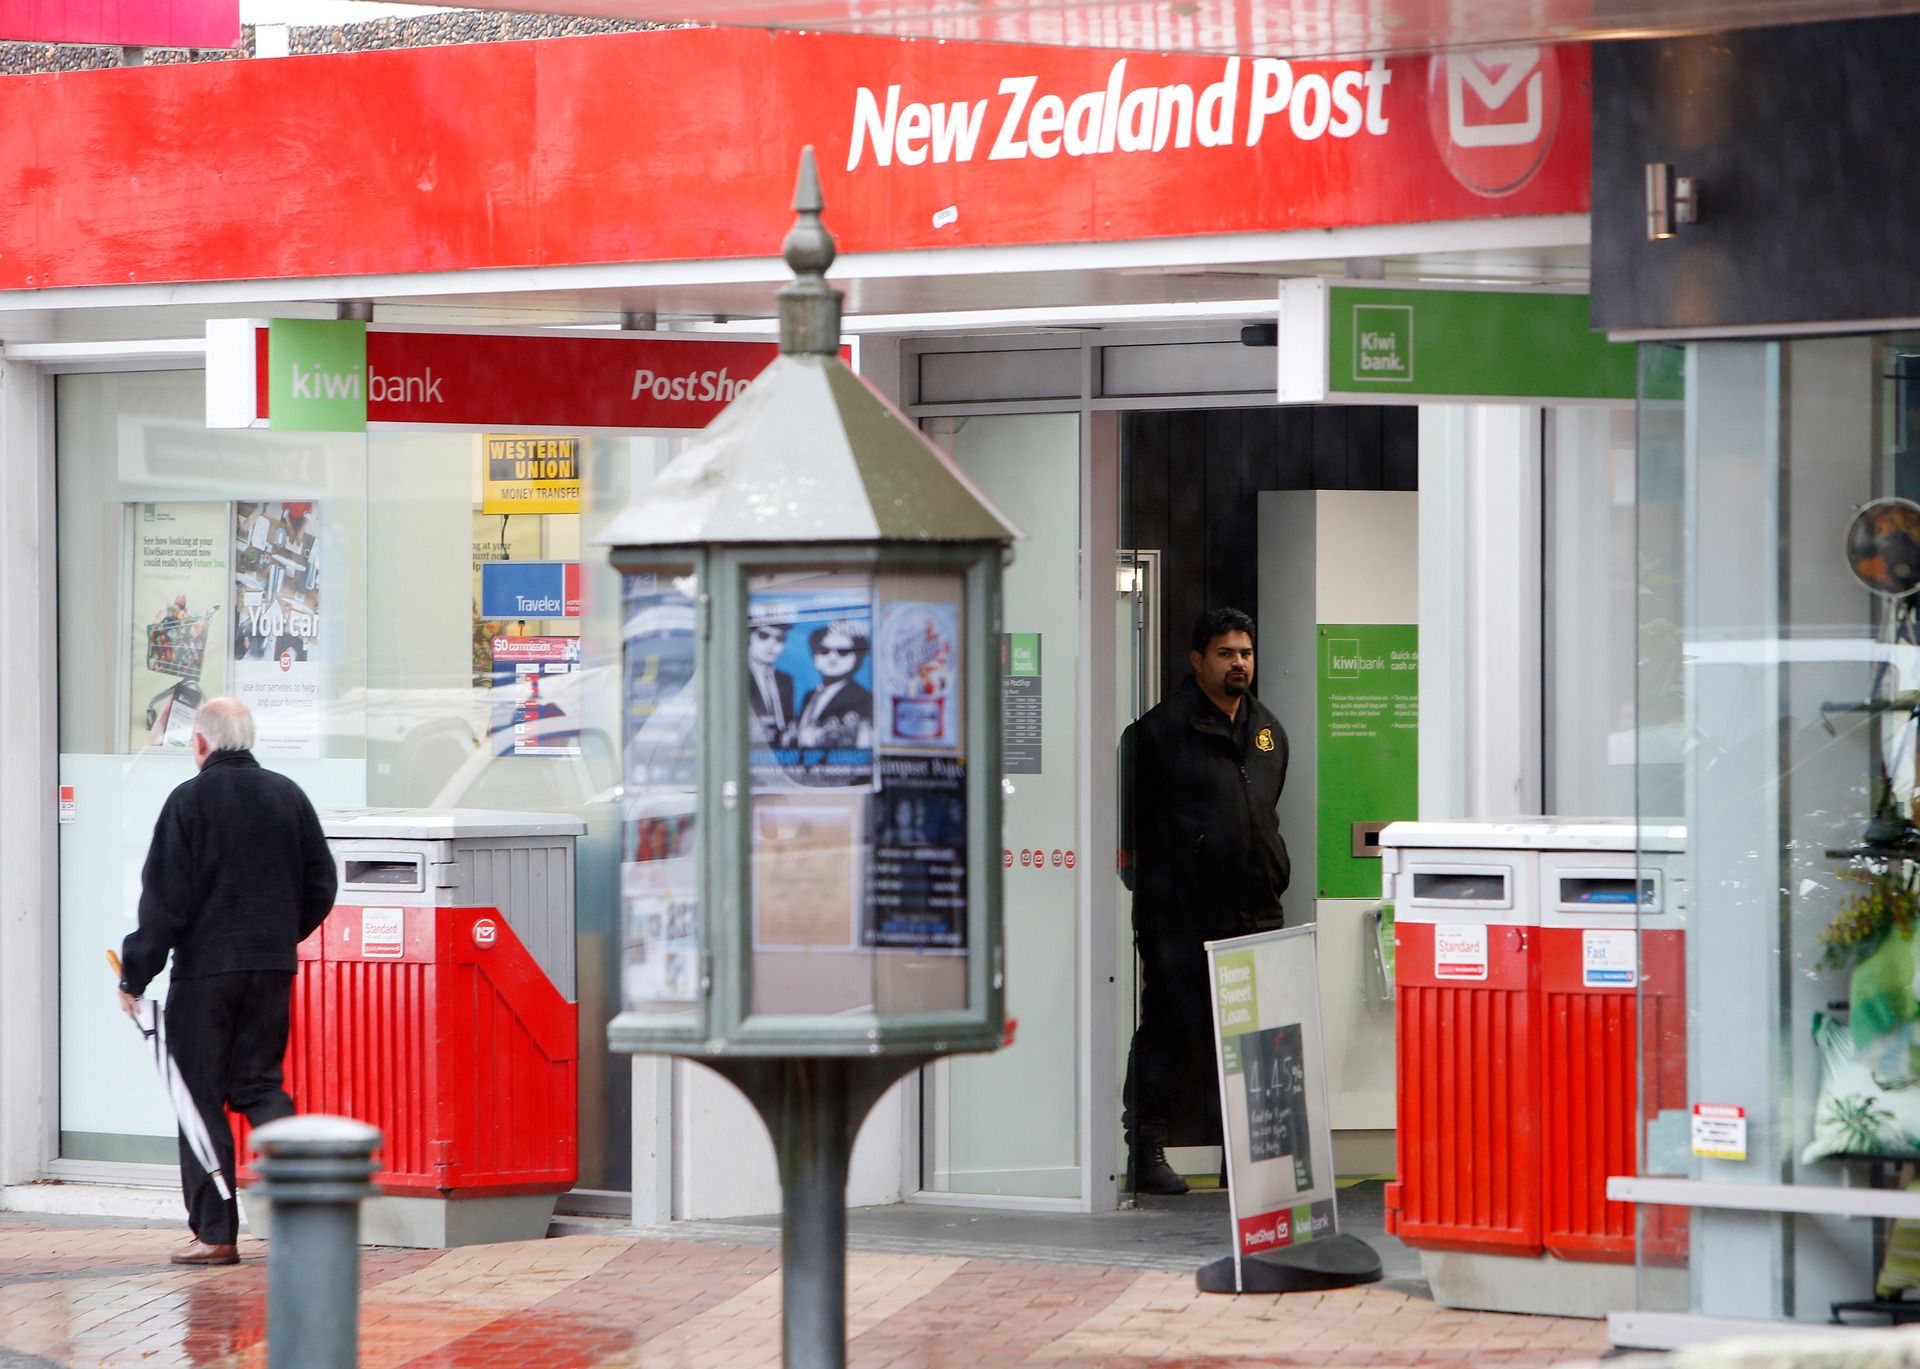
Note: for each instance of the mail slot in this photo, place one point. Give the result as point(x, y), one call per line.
point(1491, 887)
point(406, 872)
point(1587, 891)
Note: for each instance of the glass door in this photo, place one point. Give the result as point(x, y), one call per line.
point(1006, 1124)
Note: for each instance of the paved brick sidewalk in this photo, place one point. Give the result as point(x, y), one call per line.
point(101, 1295)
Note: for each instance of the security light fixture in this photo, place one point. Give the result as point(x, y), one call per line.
point(1671, 200)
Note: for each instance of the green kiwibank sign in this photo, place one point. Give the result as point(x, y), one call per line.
point(1367, 343)
point(317, 375)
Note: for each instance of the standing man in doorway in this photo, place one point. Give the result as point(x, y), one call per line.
point(237, 877)
point(1200, 778)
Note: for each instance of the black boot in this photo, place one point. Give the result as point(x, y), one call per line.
point(1151, 1173)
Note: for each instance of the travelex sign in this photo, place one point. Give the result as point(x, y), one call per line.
point(1378, 344)
point(338, 375)
point(529, 589)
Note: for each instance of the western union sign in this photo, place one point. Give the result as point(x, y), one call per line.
point(531, 474)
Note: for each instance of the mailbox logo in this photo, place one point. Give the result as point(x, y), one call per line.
point(485, 932)
point(1493, 114)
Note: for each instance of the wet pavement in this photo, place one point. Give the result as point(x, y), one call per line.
point(927, 1288)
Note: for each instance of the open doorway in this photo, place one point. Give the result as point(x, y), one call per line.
point(1192, 537)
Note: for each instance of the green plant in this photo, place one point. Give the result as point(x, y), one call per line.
point(1859, 1122)
point(1888, 903)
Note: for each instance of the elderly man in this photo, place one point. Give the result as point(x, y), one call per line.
point(237, 876)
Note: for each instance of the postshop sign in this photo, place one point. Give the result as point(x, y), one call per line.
point(324, 375)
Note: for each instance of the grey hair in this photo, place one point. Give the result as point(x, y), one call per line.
point(226, 724)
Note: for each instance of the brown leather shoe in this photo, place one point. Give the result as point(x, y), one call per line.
point(199, 1252)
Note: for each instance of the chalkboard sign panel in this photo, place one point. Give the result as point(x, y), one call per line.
point(1275, 1080)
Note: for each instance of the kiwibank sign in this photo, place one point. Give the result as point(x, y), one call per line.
point(317, 379)
point(1381, 344)
point(342, 376)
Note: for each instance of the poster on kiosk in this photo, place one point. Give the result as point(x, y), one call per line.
point(1273, 1091)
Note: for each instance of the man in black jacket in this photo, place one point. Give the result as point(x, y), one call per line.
point(237, 877)
point(1201, 850)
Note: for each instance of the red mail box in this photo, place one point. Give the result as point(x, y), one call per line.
point(436, 1026)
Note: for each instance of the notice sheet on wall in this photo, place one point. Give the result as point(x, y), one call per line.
point(277, 637)
point(178, 602)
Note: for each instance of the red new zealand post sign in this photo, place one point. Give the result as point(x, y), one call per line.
point(383, 162)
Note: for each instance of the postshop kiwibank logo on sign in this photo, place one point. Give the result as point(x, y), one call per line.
point(1022, 119)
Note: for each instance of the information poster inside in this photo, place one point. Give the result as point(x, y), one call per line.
point(1273, 1089)
point(659, 866)
point(277, 638)
point(522, 473)
point(1020, 707)
point(530, 705)
point(178, 602)
point(1369, 745)
point(917, 888)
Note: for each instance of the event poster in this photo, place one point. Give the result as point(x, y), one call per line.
point(919, 669)
point(810, 684)
point(806, 873)
point(917, 877)
point(525, 717)
point(659, 861)
point(178, 604)
point(1273, 1089)
point(276, 623)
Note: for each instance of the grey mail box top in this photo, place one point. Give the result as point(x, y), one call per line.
point(445, 824)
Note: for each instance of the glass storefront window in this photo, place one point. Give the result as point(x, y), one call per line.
point(1778, 695)
point(335, 582)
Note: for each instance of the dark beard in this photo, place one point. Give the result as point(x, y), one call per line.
point(1236, 687)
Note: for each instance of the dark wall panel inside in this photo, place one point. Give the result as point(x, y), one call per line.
point(1193, 481)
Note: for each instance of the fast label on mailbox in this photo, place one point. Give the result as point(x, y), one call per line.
point(485, 932)
point(1459, 950)
point(383, 933)
point(1609, 958)
point(1720, 1131)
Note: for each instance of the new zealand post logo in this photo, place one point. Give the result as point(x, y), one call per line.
point(1493, 114)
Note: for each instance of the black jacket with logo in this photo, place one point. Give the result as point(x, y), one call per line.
point(237, 877)
point(1200, 838)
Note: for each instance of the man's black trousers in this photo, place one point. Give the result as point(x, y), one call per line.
point(1176, 1006)
point(228, 1035)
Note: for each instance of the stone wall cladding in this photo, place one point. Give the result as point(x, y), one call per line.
point(426, 30)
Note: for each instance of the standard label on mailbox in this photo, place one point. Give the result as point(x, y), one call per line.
point(383, 933)
point(1609, 958)
point(1459, 950)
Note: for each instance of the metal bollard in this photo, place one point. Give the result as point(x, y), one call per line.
point(314, 1170)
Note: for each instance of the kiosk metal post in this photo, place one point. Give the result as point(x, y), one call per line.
point(810, 882)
